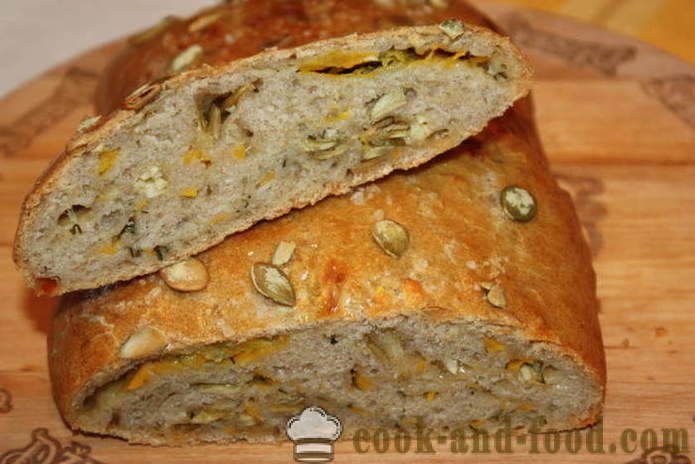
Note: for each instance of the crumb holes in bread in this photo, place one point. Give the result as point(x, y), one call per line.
point(364, 64)
point(72, 217)
point(391, 237)
point(189, 275)
point(214, 111)
point(273, 283)
point(143, 343)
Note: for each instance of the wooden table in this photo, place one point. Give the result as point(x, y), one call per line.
point(617, 118)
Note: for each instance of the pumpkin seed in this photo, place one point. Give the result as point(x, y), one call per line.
point(142, 96)
point(518, 203)
point(388, 102)
point(391, 237)
point(273, 283)
point(453, 28)
point(326, 145)
point(186, 58)
point(496, 297)
point(283, 253)
point(376, 152)
point(189, 275)
point(531, 372)
point(214, 121)
point(204, 21)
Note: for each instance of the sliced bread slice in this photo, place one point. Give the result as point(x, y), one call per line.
point(209, 152)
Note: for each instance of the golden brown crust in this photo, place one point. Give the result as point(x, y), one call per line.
point(459, 238)
point(244, 28)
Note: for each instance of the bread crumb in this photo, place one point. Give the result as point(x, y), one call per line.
point(379, 215)
point(471, 264)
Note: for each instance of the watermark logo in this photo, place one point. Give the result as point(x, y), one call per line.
point(313, 432)
point(44, 449)
point(663, 455)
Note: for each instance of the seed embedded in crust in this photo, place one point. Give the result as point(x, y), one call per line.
point(186, 58)
point(496, 297)
point(454, 28)
point(189, 275)
point(518, 203)
point(87, 124)
point(273, 283)
point(142, 96)
point(391, 237)
point(283, 253)
point(204, 21)
point(439, 3)
point(143, 343)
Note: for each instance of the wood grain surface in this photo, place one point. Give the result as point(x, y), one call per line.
point(617, 119)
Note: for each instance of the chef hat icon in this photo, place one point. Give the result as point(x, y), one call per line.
point(313, 432)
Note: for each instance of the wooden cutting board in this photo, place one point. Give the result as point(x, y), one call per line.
point(617, 119)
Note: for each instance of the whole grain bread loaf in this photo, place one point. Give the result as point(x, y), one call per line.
point(460, 293)
point(441, 293)
point(212, 151)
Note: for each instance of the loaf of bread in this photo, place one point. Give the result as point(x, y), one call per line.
point(212, 151)
point(460, 293)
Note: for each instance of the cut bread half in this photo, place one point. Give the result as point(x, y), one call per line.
point(210, 152)
point(449, 376)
